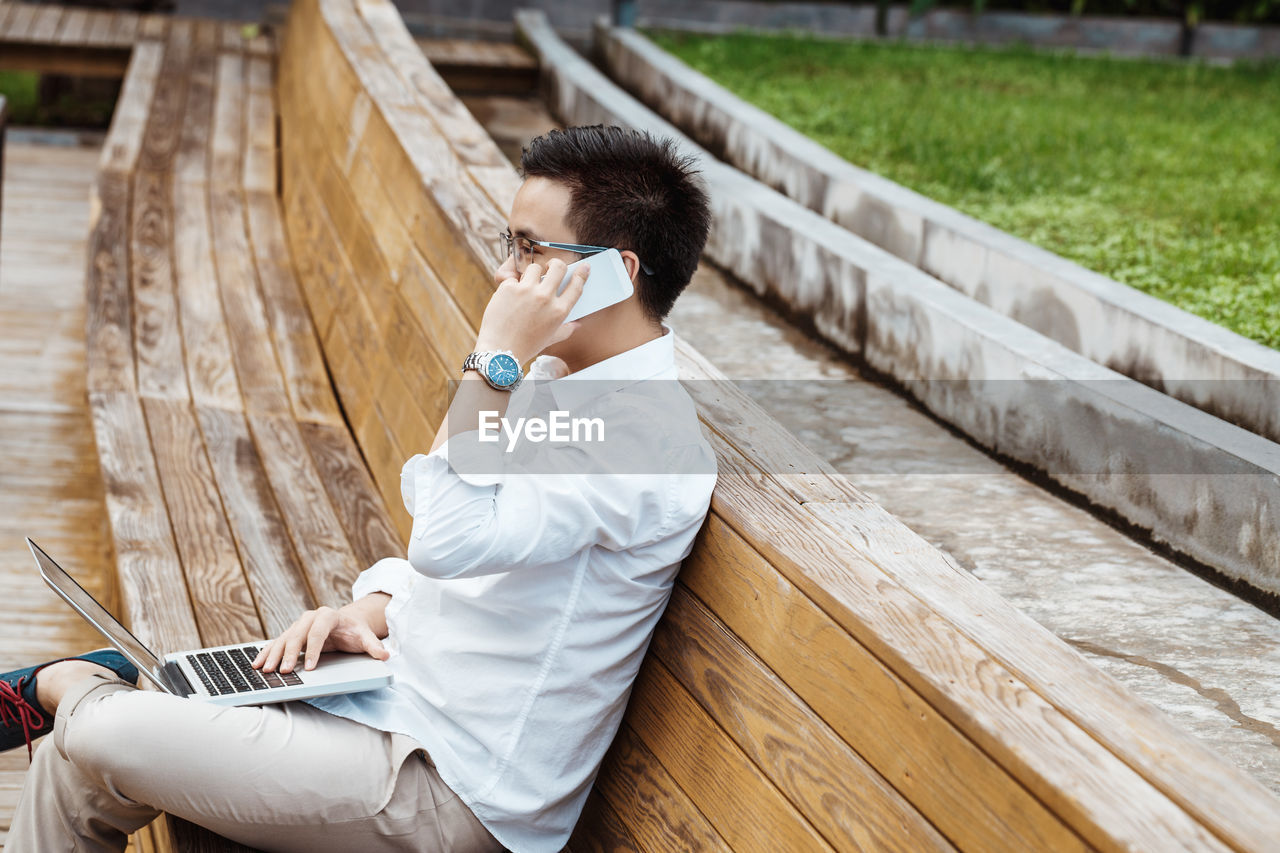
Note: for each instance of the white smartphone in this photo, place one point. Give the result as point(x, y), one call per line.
point(607, 284)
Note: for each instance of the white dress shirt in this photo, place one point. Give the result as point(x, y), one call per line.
point(519, 621)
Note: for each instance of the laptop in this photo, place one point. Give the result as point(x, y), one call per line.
point(223, 675)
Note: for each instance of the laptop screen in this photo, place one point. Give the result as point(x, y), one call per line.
point(88, 607)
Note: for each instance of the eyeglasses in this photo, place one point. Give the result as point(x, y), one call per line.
point(522, 248)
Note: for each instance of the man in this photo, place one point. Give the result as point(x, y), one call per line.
point(517, 624)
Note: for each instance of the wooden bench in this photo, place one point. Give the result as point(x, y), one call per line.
point(236, 496)
point(823, 678)
point(88, 42)
point(4, 124)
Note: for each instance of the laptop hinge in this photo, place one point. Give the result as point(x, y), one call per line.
point(178, 682)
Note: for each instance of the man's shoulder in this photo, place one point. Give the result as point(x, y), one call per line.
point(657, 411)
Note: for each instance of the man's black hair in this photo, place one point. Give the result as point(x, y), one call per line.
point(629, 190)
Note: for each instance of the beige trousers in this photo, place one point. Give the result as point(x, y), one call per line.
point(275, 777)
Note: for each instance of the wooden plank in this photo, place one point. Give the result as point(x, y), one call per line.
point(318, 536)
point(959, 789)
point(75, 62)
point(455, 213)
point(157, 337)
point(20, 21)
point(739, 801)
point(260, 128)
point(228, 122)
point(146, 557)
point(1104, 799)
point(477, 54)
point(207, 344)
point(468, 139)
point(190, 165)
point(448, 331)
point(45, 25)
point(428, 387)
point(108, 327)
point(210, 372)
point(261, 45)
point(74, 29)
point(366, 305)
point(124, 30)
point(500, 183)
point(648, 802)
point(354, 495)
point(121, 148)
point(99, 29)
point(275, 574)
point(385, 225)
point(315, 262)
point(52, 486)
point(837, 790)
point(153, 26)
point(232, 37)
point(433, 310)
point(1139, 733)
point(224, 609)
point(470, 283)
point(260, 382)
point(599, 830)
point(1145, 737)
point(377, 443)
point(292, 334)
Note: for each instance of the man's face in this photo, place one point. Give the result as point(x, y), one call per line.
point(538, 212)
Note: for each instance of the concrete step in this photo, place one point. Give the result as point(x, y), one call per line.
point(470, 66)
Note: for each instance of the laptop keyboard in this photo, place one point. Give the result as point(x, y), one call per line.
point(231, 671)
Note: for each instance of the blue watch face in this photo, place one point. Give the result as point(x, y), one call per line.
point(502, 370)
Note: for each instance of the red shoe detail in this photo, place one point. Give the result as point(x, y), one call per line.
point(14, 708)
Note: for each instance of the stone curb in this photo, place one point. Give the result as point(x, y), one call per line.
point(1124, 440)
point(1112, 324)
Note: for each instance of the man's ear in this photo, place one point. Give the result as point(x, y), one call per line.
point(632, 262)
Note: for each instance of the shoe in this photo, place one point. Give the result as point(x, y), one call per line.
point(21, 715)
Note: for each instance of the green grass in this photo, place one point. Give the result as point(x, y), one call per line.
point(20, 89)
point(1161, 175)
point(80, 104)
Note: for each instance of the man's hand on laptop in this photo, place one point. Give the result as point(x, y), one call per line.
point(358, 627)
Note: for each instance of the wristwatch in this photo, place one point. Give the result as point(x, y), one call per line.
point(499, 368)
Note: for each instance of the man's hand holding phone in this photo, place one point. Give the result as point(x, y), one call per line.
point(526, 314)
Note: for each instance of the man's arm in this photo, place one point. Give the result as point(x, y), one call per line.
point(525, 316)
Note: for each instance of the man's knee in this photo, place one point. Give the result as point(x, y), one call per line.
point(104, 733)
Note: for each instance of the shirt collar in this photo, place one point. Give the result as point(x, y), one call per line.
point(653, 359)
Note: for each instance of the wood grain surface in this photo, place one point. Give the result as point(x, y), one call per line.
point(50, 481)
point(822, 679)
point(841, 794)
point(372, 132)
